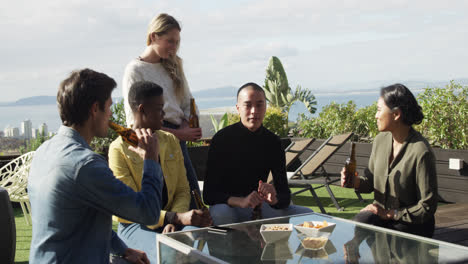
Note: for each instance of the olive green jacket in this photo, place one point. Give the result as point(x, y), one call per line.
point(409, 183)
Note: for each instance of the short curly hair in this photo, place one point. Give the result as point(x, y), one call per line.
point(79, 92)
point(141, 91)
point(398, 96)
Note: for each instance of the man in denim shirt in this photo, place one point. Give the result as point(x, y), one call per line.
point(73, 192)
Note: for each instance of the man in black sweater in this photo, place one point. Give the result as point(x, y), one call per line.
point(240, 158)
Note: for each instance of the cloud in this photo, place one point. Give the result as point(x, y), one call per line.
point(230, 42)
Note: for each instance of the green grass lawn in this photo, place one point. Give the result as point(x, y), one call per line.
point(346, 198)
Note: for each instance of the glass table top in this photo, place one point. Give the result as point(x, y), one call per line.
point(349, 242)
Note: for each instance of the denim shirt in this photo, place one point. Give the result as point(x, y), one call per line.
point(73, 196)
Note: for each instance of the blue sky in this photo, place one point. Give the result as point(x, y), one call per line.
point(322, 44)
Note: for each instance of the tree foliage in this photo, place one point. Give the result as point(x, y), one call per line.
point(279, 93)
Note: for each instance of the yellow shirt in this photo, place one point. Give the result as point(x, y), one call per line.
point(128, 167)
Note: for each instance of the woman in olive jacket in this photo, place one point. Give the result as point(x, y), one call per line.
point(401, 169)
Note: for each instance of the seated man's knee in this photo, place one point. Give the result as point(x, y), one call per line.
point(296, 209)
point(222, 214)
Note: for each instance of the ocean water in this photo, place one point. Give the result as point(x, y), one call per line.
point(13, 115)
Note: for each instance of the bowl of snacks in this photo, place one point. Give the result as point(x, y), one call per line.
point(321, 253)
point(275, 232)
point(315, 228)
point(314, 243)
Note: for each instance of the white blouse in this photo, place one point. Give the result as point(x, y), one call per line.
point(176, 109)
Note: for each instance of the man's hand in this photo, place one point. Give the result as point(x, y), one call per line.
point(169, 228)
point(267, 192)
point(251, 200)
point(148, 144)
point(199, 218)
point(135, 256)
point(377, 210)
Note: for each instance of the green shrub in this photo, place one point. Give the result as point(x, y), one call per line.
point(276, 121)
point(101, 145)
point(445, 122)
point(365, 125)
point(233, 118)
point(34, 143)
point(339, 118)
point(333, 119)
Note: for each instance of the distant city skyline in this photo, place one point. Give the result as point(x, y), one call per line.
point(26, 130)
point(228, 43)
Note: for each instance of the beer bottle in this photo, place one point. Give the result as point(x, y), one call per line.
point(128, 135)
point(257, 212)
point(198, 202)
point(350, 167)
point(193, 118)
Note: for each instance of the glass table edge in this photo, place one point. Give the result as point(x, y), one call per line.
point(184, 249)
point(167, 239)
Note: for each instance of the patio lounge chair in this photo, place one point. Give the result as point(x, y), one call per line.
point(14, 178)
point(293, 151)
point(312, 171)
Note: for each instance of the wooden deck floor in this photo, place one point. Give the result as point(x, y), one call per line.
point(452, 223)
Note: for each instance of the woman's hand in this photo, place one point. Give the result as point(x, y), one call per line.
point(356, 179)
point(189, 134)
point(184, 132)
point(377, 210)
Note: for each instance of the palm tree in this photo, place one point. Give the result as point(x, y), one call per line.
point(279, 94)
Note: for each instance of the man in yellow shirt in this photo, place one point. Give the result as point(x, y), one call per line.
point(146, 101)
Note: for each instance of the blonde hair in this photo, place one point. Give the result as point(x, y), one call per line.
point(162, 24)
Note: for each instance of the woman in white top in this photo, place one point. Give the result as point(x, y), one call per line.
point(160, 64)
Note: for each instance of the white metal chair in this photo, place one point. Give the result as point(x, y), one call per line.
point(14, 178)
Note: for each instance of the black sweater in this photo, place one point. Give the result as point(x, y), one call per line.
point(238, 159)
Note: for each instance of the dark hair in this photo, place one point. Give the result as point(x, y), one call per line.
point(79, 92)
point(397, 96)
point(141, 91)
point(253, 86)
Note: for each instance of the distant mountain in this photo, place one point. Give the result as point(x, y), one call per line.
point(225, 91)
point(230, 91)
point(35, 100)
point(39, 100)
point(376, 85)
